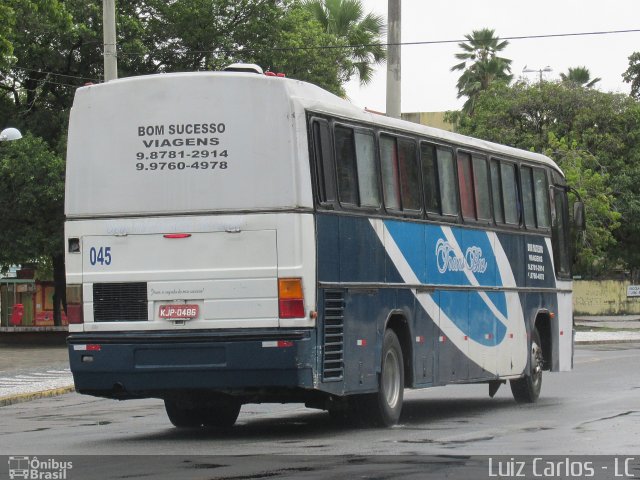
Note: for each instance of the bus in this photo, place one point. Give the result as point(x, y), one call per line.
point(238, 237)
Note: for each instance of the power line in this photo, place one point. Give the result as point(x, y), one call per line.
point(18, 67)
point(331, 47)
point(423, 42)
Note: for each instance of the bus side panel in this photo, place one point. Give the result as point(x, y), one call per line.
point(349, 252)
point(361, 283)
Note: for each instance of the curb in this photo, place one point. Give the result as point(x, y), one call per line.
point(606, 342)
point(26, 397)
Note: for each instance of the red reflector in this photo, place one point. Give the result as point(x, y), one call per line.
point(93, 348)
point(291, 308)
point(285, 343)
point(177, 235)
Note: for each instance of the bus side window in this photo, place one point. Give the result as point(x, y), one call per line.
point(346, 165)
point(324, 161)
point(430, 178)
point(541, 192)
point(409, 176)
point(481, 187)
point(560, 228)
point(390, 180)
point(496, 188)
point(368, 186)
point(465, 181)
point(528, 205)
point(510, 197)
point(447, 182)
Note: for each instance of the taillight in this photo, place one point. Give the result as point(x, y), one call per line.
point(74, 304)
point(290, 298)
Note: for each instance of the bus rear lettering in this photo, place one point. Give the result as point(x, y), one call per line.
point(150, 130)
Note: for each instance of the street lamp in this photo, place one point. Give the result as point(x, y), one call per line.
point(539, 70)
point(9, 134)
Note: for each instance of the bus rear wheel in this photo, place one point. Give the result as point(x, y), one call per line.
point(383, 408)
point(219, 414)
point(527, 388)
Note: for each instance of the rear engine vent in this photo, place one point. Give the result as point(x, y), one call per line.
point(119, 302)
point(333, 351)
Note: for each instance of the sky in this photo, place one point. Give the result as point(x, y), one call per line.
point(428, 85)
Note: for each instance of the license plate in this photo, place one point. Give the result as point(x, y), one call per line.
point(178, 311)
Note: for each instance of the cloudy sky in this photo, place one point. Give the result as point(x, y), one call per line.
point(427, 83)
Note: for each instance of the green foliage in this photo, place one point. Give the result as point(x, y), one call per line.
point(583, 173)
point(345, 20)
point(31, 200)
point(580, 77)
point(481, 66)
point(589, 133)
point(632, 74)
point(298, 30)
point(7, 23)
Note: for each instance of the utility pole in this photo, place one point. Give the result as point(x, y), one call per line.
point(538, 70)
point(109, 35)
point(393, 59)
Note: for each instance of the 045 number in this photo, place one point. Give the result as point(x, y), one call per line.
point(100, 255)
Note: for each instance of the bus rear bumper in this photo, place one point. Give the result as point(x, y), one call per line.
point(161, 364)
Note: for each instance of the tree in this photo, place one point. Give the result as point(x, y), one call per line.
point(591, 134)
point(363, 33)
point(49, 48)
point(7, 22)
point(31, 207)
point(582, 172)
point(481, 66)
point(295, 32)
point(579, 76)
point(632, 74)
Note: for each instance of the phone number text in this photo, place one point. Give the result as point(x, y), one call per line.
point(210, 165)
point(171, 154)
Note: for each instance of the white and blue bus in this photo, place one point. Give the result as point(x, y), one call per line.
point(244, 238)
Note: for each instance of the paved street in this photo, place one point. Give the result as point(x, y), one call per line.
point(592, 410)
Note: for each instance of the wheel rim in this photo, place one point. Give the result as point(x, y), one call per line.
point(536, 363)
point(391, 378)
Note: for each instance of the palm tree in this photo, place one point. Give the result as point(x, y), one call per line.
point(481, 66)
point(363, 33)
point(580, 76)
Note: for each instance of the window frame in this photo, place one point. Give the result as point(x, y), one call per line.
point(398, 137)
point(532, 168)
point(501, 161)
point(319, 170)
point(443, 153)
point(472, 155)
point(371, 131)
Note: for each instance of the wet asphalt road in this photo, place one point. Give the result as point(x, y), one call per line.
point(593, 410)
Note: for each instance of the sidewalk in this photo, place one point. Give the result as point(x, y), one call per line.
point(607, 329)
point(28, 372)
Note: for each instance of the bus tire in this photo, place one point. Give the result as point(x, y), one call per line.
point(221, 414)
point(527, 388)
point(383, 408)
point(183, 417)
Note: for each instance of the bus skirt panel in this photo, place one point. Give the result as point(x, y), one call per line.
point(130, 365)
